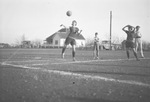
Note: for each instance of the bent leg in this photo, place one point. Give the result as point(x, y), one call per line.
point(135, 54)
point(128, 54)
point(136, 46)
point(63, 51)
point(73, 52)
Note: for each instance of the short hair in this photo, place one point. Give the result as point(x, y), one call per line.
point(137, 26)
point(129, 26)
point(96, 33)
point(74, 21)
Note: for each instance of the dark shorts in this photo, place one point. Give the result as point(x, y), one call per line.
point(130, 44)
point(70, 41)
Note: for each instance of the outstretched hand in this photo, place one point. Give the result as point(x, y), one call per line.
point(80, 32)
point(62, 25)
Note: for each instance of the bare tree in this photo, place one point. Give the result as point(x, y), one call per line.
point(115, 39)
point(19, 41)
point(89, 42)
point(36, 43)
point(146, 45)
point(23, 38)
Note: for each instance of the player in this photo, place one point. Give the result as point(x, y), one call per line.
point(130, 40)
point(71, 39)
point(138, 40)
point(96, 47)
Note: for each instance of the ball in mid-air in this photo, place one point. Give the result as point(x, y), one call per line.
point(68, 13)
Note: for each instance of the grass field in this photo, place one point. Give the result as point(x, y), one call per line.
point(40, 75)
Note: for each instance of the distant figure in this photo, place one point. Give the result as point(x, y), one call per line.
point(130, 40)
point(71, 39)
point(96, 47)
point(138, 41)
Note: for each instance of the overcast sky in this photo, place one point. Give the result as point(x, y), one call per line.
point(38, 19)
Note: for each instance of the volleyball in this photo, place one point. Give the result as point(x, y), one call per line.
point(68, 13)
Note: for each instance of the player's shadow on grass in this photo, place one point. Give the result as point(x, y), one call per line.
point(82, 99)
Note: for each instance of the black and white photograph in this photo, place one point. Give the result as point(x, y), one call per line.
point(74, 50)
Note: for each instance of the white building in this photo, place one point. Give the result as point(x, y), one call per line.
point(57, 39)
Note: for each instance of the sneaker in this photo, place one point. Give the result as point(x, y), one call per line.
point(74, 59)
point(97, 58)
point(143, 57)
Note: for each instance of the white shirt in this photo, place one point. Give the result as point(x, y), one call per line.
point(138, 36)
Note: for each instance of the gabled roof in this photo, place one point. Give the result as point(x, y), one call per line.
point(62, 30)
point(62, 34)
point(50, 37)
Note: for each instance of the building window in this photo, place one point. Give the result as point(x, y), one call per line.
point(56, 42)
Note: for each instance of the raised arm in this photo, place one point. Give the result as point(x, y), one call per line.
point(124, 28)
point(67, 29)
point(133, 28)
point(79, 32)
point(62, 26)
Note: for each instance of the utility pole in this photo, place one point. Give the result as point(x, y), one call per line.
point(110, 28)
